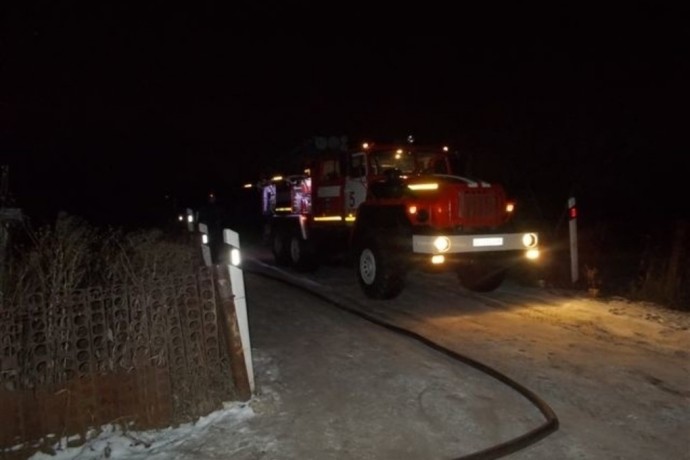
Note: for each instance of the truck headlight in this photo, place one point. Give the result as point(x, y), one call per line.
point(530, 240)
point(442, 243)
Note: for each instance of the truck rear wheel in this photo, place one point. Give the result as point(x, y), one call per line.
point(302, 255)
point(378, 274)
point(280, 248)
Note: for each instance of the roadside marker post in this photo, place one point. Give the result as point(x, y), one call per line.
point(572, 215)
point(232, 241)
point(232, 309)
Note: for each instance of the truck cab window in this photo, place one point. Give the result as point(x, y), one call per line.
point(357, 167)
point(330, 170)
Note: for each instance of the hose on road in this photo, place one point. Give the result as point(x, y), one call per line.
point(511, 446)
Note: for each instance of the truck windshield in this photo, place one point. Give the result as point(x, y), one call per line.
point(408, 162)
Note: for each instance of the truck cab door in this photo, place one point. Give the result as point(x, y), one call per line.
point(355, 183)
point(327, 189)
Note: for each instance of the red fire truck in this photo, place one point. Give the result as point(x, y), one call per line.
point(393, 209)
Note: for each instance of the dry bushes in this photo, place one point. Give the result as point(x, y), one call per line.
point(55, 260)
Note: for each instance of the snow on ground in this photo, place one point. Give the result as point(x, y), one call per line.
point(168, 443)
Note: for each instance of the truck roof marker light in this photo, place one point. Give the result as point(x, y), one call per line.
point(350, 218)
point(365, 145)
point(530, 240)
point(247, 186)
point(442, 243)
point(424, 186)
point(328, 219)
point(438, 259)
point(510, 207)
point(445, 148)
point(412, 209)
point(532, 254)
point(276, 178)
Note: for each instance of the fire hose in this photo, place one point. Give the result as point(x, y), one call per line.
point(511, 446)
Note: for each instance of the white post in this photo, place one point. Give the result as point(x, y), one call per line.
point(205, 249)
point(190, 220)
point(572, 214)
point(237, 283)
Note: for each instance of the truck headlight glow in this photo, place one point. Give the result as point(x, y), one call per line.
point(442, 243)
point(530, 240)
point(438, 259)
point(532, 254)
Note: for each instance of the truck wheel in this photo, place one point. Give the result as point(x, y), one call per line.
point(281, 248)
point(379, 276)
point(481, 278)
point(302, 254)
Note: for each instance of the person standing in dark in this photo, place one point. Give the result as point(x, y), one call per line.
point(212, 215)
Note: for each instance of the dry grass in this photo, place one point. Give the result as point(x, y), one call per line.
point(55, 260)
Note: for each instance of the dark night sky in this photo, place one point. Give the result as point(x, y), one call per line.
point(117, 104)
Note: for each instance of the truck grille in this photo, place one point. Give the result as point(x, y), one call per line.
point(479, 207)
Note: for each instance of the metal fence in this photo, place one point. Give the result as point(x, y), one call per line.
point(140, 356)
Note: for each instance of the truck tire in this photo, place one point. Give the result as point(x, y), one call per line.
point(378, 272)
point(280, 246)
point(481, 278)
point(302, 256)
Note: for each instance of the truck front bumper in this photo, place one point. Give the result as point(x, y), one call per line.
point(486, 243)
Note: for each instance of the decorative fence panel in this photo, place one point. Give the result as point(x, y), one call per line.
point(144, 357)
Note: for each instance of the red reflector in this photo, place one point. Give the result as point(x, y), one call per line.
point(573, 213)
